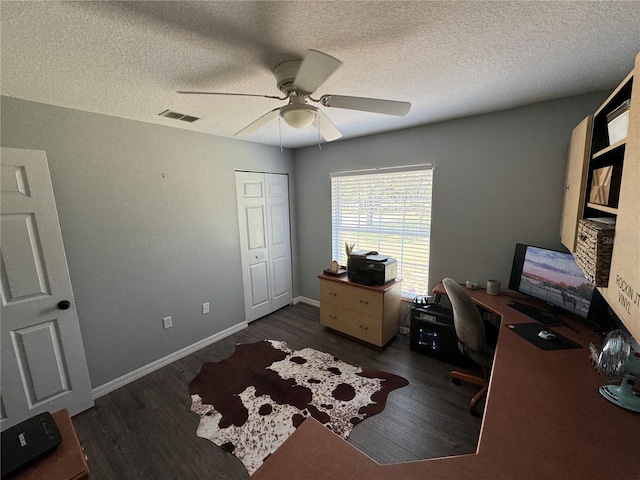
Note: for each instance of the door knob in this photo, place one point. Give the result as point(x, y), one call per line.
point(64, 304)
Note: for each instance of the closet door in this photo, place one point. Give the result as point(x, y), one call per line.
point(263, 217)
point(278, 239)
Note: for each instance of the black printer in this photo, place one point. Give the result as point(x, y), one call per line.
point(370, 268)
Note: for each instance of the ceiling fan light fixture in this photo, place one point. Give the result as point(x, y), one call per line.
point(298, 116)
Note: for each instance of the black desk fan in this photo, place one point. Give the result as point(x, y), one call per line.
point(618, 362)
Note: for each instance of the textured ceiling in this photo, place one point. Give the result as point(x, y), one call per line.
point(449, 59)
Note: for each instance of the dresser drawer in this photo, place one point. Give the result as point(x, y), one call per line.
point(361, 300)
point(352, 323)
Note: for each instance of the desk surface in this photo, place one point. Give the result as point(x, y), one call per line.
point(544, 418)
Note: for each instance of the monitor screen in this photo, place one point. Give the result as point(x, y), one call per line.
point(551, 276)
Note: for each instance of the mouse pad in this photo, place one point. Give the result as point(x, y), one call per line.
point(529, 331)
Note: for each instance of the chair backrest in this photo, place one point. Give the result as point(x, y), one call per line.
point(466, 317)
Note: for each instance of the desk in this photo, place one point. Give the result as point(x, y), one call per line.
point(544, 419)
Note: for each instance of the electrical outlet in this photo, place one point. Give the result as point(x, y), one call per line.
point(205, 308)
point(166, 321)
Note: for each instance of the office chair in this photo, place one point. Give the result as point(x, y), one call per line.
point(471, 339)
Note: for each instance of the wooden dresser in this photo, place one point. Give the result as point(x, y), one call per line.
point(368, 313)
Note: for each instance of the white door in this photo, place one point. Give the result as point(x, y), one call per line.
point(43, 362)
point(263, 214)
point(278, 240)
point(252, 217)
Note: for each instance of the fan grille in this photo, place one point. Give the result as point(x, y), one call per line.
point(614, 354)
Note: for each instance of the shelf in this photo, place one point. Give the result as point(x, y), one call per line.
point(602, 208)
point(610, 148)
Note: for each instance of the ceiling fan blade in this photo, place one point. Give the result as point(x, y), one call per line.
point(326, 127)
point(234, 94)
point(315, 68)
point(388, 107)
point(253, 126)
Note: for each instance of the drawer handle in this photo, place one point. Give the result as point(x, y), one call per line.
point(333, 316)
point(365, 302)
point(332, 293)
point(362, 326)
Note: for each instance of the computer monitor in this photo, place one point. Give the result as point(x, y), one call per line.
point(551, 276)
point(602, 317)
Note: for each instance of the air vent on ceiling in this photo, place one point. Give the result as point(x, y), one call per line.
point(178, 116)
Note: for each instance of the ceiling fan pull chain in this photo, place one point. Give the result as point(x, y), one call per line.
point(280, 131)
point(318, 129)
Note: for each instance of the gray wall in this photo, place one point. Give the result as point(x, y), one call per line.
point(498, 180)
point(149, 221)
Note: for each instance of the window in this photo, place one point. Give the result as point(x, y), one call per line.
point(387, 210)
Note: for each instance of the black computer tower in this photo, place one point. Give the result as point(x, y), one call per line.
point(433, 334)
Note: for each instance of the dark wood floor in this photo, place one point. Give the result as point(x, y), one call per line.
point(145, 429)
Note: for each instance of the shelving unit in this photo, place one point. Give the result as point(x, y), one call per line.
point(603, 154)
point(591, 150)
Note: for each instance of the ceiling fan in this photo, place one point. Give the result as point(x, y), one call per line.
point(298, 79)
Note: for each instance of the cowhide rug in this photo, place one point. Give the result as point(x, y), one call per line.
point(250, 402)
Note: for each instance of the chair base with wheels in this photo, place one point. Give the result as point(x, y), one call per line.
point(457, 377)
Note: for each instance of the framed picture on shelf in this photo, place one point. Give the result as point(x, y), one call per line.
point(605, 185)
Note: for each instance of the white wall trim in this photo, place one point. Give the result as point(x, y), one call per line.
point(162, 362)
point(308, 301)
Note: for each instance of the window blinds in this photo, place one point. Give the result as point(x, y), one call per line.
point(389, 211)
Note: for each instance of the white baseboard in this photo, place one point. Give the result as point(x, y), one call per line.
point(162, 362)
point(308, 301)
